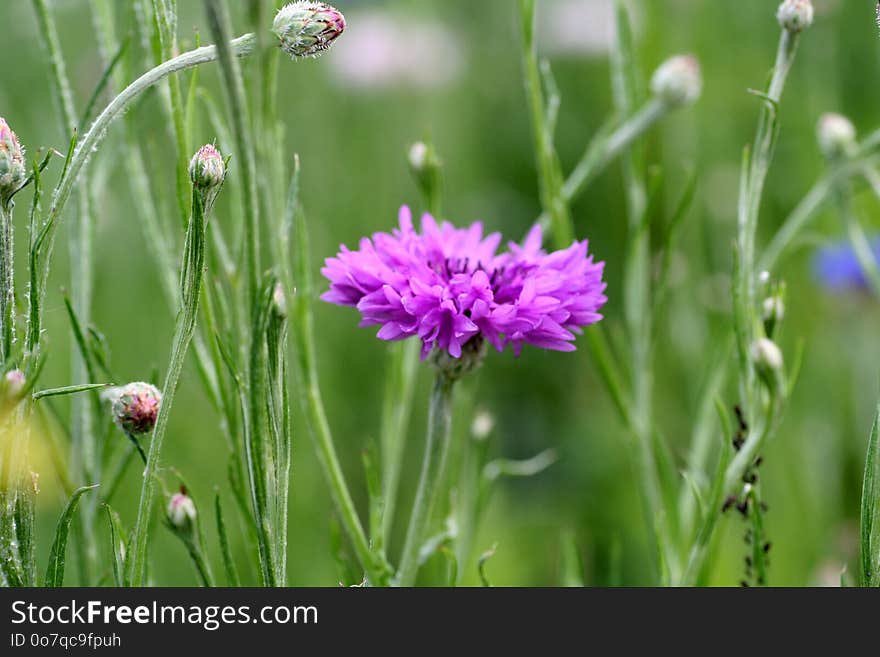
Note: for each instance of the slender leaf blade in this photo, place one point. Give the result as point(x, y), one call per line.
point(55, 569)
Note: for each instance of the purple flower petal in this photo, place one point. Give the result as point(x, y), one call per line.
point(447, 285)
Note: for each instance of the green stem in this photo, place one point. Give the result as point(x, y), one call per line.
point(316, 417)
point(436, 448)
point(549, 170)
point(85, 453)
point(203, 568)
point(194, 259)
point(751, 190)
point(7, 282)
point(862, 161)
point(242, 47)
point(857, 238)
point(397, 407)
point(218, 21)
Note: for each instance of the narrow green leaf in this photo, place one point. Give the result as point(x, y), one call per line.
point(232, 578)
point(374, 491)
point(55, 570)
point(481, 564)
point(117, 545)
point(869, 549)
point(101, 86)
point(69, 390)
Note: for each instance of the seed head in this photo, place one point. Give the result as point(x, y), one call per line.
point(836, 135)
point(795, 15)
point(12, 166)
point(207, 169)
point(181, 510)
point(136, 406)
point(307, 29)
point(678, 81)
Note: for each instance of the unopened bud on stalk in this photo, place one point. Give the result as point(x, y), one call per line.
point(836, 135)
point(767, 358)
point(279, 300)
point(136, 407)
point(14, 381)
point(772, 313)
point(207, 169)
point(12, 166)
point(482, 425)
point(307, 29)
point(424, 164)
point(678, 81)
point(181, 510)
point(795, 15)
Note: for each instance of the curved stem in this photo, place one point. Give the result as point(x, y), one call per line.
point(316, 417)
point(436, 449)
point(241, 47)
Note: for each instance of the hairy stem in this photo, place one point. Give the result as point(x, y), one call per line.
point(434, 462)
point(194, 260)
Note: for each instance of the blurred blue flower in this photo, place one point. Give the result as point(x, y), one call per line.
point(837, 267)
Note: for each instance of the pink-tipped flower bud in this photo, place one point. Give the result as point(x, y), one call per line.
point(12, 166)
point(795, 15)
point(136, 407)
point(207, 169)
point(181, 511)
point(678, 81)
point(307, 29)
point(836, 135)
point(14, 380)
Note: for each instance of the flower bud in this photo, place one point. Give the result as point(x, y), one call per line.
point(307, 29)
point(418, 156)
point(12, 165)
point(678, 81)
point(482, 425)
point(795, 15)
point(207, 169)
point(772, 313)
point(279, 301)
point(836, 135)
point(767, 358)
point(14, 380)
point(136, 406)
point(181, 510)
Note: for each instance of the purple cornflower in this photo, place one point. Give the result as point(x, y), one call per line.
point(450, 288)
point(837, 267)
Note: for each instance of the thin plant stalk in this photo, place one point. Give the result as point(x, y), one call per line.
point(242, 46)
point(376, 570)
point(184, 329)
point(762, 417)
point(84, 451)
point(549, 169)
point(638, 295)
point(7, 281)
point(433, 465)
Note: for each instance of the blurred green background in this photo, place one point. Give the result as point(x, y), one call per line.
point(449, 70)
